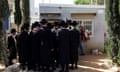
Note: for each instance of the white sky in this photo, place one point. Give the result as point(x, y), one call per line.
point(54, 2)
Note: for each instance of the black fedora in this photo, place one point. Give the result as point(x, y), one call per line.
point(43, 21)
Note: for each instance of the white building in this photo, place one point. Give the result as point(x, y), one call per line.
point(92, 17)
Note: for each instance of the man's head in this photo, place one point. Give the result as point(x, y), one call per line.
point(13, 31)
point(26, 26)
point(74, 23)
point(35, 25)
point(44, 22)
point(62, 24)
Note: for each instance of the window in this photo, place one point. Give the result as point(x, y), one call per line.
point(88, 25)
point(50, 15)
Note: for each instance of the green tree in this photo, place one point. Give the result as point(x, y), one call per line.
point(25, 11)
point(99, 2)
point(82, 1)
point(17, 14)
point(112, 16)
point(4, 14)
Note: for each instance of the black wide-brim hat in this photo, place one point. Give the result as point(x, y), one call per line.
point(35, 24)
point(69, 22)
point(56, 23)
point(74, 23)
point(62, 23)
point(43, 21)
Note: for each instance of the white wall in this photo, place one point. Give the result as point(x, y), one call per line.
point(34, 12)
point(99, 28)
point(97, 41)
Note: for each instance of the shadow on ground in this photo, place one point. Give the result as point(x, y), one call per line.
point(92, 63)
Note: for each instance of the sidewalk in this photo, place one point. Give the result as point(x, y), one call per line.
point(91, 63)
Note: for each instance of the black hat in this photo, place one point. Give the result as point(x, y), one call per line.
point(62, 23)
point(22, 28)
point(43, 21)
point(25, 26)
point(68, 22)
point(13, 30)
point(55, 23)
point(35, 24)
point(49, 25)
point(74, 23)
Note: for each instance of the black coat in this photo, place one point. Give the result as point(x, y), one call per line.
point(34, 48)
point(54, 53)
point(12, 47)
point(63, 47)
point(23, 47)
point(45, 45)
point(74, 45)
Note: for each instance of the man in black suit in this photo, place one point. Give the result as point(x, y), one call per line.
point(12, 46)
point(45, 45)
point(23, 45)
point(34, 50)
point(63, 47)
point(74, 45)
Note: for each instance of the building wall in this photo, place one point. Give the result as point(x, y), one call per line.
point(90, 12)
point(34, 12)
point(97, 41)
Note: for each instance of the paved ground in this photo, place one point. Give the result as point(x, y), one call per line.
point(91, 63)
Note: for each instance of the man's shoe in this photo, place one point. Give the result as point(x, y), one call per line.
point(76, 67)
point(82, 54)
point(71, 67)
point(66, 70)
point(61, 71)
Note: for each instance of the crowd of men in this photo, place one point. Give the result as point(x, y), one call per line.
point(46, 47)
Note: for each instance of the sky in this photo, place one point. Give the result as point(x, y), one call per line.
point(53, 2)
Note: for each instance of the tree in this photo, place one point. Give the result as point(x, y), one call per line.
point(99, 2)
point(113, 21)
point(17, 14)
point(4, 14)
point(25, 11)
point(82, 1)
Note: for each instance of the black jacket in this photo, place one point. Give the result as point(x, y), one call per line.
point(23, 46)
point(45, 45)
point(12, 46)
point(63, 47)
point(74, 45)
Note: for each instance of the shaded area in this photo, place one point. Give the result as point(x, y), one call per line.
point(92, 63)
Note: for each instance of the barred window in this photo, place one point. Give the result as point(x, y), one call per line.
point(88, 24)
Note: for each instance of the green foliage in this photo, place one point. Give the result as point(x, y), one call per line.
point(99, 2)
point(4, 9)
point(1, 39)
point(82, 1)
point(4, 14)
point(17, 14)
point(109, 50)
point(112, 17)
point(108, 44)
point(25, 11)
